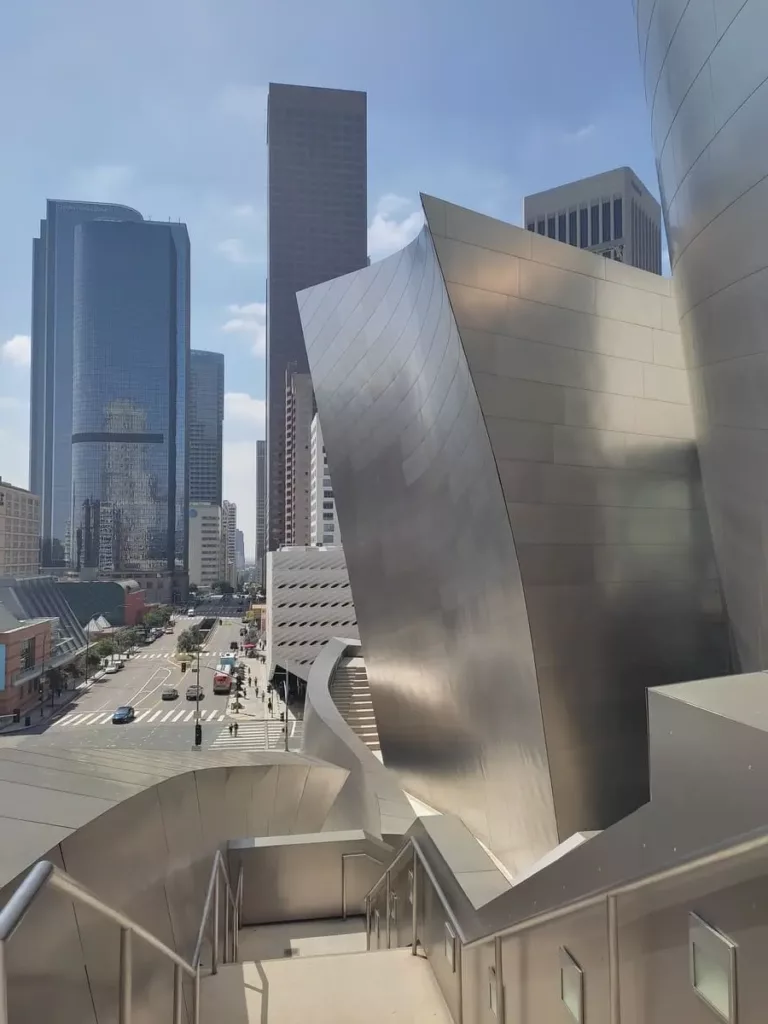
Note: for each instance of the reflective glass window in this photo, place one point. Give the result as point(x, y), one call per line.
point(595, 225)
point(532, 226)
point(551, 227)
point(541, 228)
point(573, 228)
point(606, 222)
point(561, 228)
point(584, 227)
point(618, 218)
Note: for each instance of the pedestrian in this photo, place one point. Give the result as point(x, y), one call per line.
point(236, 727)
point(230, 728)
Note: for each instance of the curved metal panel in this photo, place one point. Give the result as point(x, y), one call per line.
point(509, 434)
point(709, 114)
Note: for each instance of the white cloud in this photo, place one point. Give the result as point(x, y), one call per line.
point(240, 406)
point(9, 403)
point(581, 134)
point(234, 250)
point(249, 320)
point(244, 102)
point(394, 225)
point(239, 483)
point(17, 350)
point(246, 210)
point(102, 182)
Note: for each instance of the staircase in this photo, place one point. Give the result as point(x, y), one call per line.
point(352, 696)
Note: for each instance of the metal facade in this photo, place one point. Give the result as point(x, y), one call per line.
point(706, 79)
point(509, 433)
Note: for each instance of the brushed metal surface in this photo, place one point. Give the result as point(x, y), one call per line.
point(510, 437)
point(706, 80)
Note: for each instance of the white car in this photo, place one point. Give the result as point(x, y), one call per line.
point(112, 669)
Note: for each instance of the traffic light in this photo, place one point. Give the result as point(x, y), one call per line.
point(183, 666)
point(198, 734)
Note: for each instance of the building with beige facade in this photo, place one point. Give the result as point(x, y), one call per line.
point(19, 531)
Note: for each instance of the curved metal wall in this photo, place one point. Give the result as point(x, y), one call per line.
point(509, 436)
point(706, 80)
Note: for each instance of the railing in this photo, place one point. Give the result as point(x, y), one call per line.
point(45, 874)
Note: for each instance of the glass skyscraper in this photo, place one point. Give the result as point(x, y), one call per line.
point(206, 422)
point(318, 199)
point(126, 382)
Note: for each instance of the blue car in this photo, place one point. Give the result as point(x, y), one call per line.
point(123, 715)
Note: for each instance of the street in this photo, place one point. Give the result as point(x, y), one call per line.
point(169, 725)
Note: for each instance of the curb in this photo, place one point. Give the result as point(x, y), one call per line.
point(17, 729)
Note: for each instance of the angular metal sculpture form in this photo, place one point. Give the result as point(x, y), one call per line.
point(510, 440)
point(706, 80)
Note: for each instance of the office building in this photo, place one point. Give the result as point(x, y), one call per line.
point(324, 524)
point(19, 531)
point(205, 544)
point(317, 230)
point(229, 542)
point(125, 376)
point(524, 531)
point(299, 407)
point(261, 512)
point(239, 551)
point(612, 214)
point(206, 423)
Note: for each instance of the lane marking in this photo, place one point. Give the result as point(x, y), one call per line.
point(143, 714)
point(178, 716)
point(155, 715)
point(166, 717)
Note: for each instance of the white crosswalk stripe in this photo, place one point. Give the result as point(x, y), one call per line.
point(260, 735)
point(145, 716)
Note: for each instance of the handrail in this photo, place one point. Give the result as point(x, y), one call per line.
point(45, 873)
point(218, 867)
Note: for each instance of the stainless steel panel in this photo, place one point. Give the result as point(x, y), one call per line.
point(519, 494)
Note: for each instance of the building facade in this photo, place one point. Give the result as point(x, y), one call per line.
point(612, 214)
point(324, 524)
point(239, 551)
point(19, 531)
point(261, 512)
point(317, 230)
point(706, 67)
point(206, 424)
point(120, 602)
point(229, 542)
point(125, 361)
point(299, 407)
point(205, 544)
point(519, 491)
point(50, 423)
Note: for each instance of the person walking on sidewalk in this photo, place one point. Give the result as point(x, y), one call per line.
point(231, 725)
point(236, 728)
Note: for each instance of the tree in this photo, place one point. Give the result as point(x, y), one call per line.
point(154, 618)
point(193, 588)
point(222, 587)
point(55, 678)
point(104, 648)
point(189, 639)
point(92, 658)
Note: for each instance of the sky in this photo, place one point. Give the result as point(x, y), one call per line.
point(161, 104)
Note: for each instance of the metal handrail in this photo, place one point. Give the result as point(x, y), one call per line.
point(211, 906)
point(45, 873)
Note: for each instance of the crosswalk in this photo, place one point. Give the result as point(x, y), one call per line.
point(260, 735)
point(148, 716)
point(149, 655)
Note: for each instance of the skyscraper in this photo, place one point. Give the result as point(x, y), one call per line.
point(50, 424)
point(261, 511)
point(206, 420)
point(324, 526)
point(229, 541)
point(299, 407)
point(317, 231)
point(125, 501)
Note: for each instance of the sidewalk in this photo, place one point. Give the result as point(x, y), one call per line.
point(9, 727)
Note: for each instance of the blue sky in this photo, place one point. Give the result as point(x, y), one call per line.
point(160, 104)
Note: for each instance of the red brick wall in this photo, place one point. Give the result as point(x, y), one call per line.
point(134, 607)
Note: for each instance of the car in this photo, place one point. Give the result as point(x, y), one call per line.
point(123, 715)
point(234, 645)
point(195, 692)
point(99, 675)
point(169, 693)
point(168, 629)
point(113, 668)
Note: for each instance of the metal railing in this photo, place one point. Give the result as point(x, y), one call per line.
point(353, 856)
point(212, 912)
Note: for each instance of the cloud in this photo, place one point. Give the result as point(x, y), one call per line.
point(11, 404)
point(581, 134)
point(234, 250)
point(17, 350)
point(244, 408)
point(243, 102)
point(102, 182)
point(249, 320)
point(395, 223)
point(239, 482)
point(246, 210)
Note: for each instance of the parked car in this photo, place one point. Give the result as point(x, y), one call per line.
point(123, 715)
point(113, 668)
point(99, 675)
point(234, 645)
point(195, 692)
point(169, 693)
point(168, 629)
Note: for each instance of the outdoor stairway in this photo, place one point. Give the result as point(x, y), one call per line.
point(352, 696)
point(390, 986)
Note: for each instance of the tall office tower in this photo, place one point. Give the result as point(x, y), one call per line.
point(239, 550)
point(317, 230)
point(261, 512)
point(205, 548)
point(324, 528)
point(612, 214)
point(50, 424)
point(206, 422)
point(299, 408)
point(229, 542)
point(126, 357)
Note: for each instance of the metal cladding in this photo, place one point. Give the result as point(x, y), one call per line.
point(509, 435)
point(706, 80)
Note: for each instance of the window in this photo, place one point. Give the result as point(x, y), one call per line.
point(551, 227)
point(584, 227)
point(618, 218)
point(27, 654)
point(561, 236)
point(594, 225)
point(532, 226)
point(540, 228)
point(606, 222)
point(573, 228)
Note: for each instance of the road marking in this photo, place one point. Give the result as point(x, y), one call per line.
point(68, 719)
point(178, 716)
point(156, 714)
point(88, 718)
point(105, 719)
point(143, 714)
point(166, 717)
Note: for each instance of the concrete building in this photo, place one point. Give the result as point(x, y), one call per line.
point(261, 512)
point(206, 566)
point(206, 425)
point(19, 531)
point(523, 522)
point(317, 230)
point(612, 214)
point(25, 651)
point(239, 551)
point(120, 602)
point(229, 542)
point(309, 601)
point(299, 407)
point(324, 524)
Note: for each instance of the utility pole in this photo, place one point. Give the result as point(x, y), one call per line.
point(198, 727)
